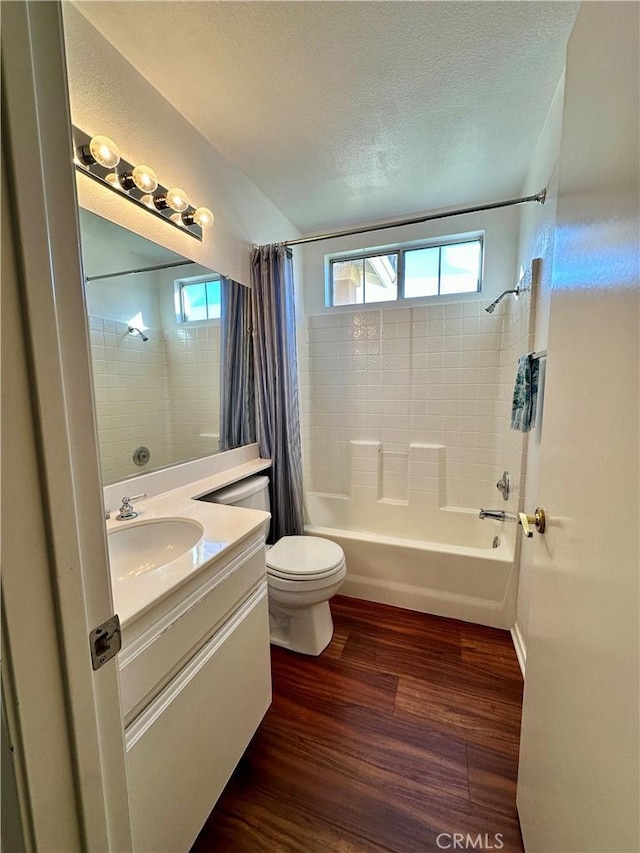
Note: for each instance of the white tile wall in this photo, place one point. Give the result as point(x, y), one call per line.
point(163, 394)
point(131, 391)
point(428, 474)
point(401, 377)
point(193, 364)
point(518, 339)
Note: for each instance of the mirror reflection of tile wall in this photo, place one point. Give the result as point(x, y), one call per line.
point(162, 393)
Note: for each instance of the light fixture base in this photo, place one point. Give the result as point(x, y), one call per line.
point(81, 140)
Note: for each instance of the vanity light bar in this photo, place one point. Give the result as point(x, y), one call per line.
point(99, 158)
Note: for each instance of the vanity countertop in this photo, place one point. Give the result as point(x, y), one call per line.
point(225, 478)
point(224, 528)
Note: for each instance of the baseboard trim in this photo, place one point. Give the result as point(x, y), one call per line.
point(520, 647)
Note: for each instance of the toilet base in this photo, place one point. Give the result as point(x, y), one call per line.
point(307, 630)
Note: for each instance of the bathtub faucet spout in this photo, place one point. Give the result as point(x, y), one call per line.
point(497, 515)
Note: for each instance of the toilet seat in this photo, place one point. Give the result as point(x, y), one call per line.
point(304, 558)
point(306, 577)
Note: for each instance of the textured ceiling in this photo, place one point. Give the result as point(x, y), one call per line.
point(346, 112)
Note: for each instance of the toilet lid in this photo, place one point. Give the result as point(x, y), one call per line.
point(304, 556)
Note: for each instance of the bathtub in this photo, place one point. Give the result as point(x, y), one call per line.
point(434, 560)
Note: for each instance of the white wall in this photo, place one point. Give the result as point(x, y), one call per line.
point(120, 298)
point(108, 96)
point(529, 331)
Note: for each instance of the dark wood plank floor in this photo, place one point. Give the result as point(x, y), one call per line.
point(405, 727)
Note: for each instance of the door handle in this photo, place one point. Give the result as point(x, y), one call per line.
point(537, 520)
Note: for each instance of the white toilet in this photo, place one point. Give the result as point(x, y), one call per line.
point(303, 573)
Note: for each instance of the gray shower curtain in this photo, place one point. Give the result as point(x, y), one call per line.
point(237, 402)
point(276, 378)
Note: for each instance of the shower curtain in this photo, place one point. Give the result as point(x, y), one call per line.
point(237, 402)
point(275, 360)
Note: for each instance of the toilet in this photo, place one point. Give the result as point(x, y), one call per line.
point(303, 573)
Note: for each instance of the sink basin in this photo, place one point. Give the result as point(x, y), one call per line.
point(149, 545)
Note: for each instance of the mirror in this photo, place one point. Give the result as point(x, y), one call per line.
point(154, 328)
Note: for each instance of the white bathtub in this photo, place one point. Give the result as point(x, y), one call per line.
point(439, 561)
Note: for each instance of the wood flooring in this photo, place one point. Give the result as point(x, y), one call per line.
point(406, 727)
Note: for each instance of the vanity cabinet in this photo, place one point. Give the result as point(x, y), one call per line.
point(195, 682)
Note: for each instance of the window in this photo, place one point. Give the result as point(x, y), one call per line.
point(198, 299)
point(405, 273)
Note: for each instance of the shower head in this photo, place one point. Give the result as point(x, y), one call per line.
point(491, 308)
point(133, 329)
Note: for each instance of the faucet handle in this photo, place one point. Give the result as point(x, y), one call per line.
point(126, 510)
point(504, 485)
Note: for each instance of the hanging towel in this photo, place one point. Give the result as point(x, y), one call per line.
point(525, 394)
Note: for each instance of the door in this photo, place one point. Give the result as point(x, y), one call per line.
point(63, 718)
point(578, 784)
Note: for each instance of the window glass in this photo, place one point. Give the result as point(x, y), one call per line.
point(460, 268)
point(347, 281)
point(355, 281)
point(407, 273)
point(421, 268)
point(381, 278)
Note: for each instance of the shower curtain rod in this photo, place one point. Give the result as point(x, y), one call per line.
point(399, 223)
point(140, 269)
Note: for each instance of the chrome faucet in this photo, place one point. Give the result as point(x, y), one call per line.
point(127, 511)
point(497, 515)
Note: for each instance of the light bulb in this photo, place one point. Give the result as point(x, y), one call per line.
point(148, 200)
point(112, 180)
point(177, 218)
point(142, 177)
point(203, 217)
point(104, 151)
point(177, 199)
point(145, 179)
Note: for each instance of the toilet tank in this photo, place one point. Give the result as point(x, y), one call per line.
point(252, 493)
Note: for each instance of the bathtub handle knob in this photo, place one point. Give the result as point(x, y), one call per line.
point(538, 520)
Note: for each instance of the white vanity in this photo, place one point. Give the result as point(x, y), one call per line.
point(194, 667)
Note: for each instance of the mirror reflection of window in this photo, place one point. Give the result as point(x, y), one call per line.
point(199, 299)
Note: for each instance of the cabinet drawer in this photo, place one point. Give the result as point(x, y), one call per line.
point(183, 747)
point(148, 662)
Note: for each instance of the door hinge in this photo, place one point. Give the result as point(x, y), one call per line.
point(105, 641)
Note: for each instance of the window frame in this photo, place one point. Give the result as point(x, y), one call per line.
point(400, 249)
point(179, 285)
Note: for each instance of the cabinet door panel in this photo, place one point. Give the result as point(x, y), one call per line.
point(184, 746)
point(152, 659)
